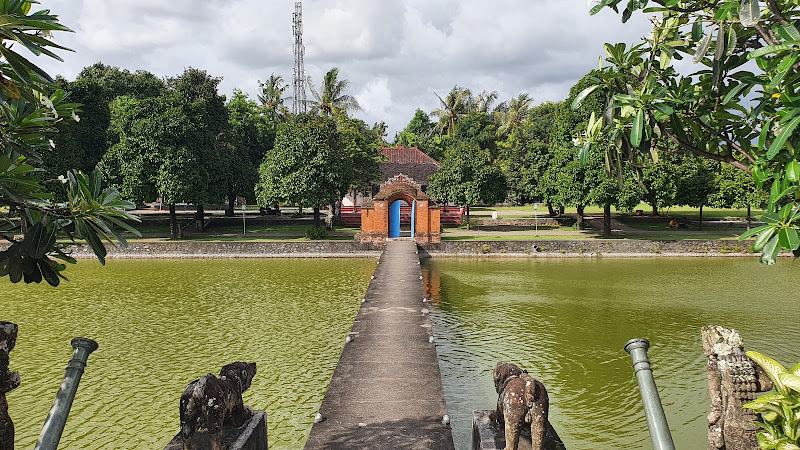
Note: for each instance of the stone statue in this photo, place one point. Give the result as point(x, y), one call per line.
point(521, 400)
point(733, 380)
point(8, 382)
point(210, 401)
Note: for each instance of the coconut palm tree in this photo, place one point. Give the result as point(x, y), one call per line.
point(516, 113)
point(483, 102)
point(271, 97)
point(455, 105)
point(331, 97)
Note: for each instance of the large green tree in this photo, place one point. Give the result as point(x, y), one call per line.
point(170, 146)
point(525, 154)
point(587, 177)
point(468, 176)
point(39, 230)
point(250, 137)
point(82, 142)
point(309, 166)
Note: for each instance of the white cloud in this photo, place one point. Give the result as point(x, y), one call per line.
point(376, 97)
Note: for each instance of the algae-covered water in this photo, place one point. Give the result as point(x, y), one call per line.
point(163, 323)
point(566, 321)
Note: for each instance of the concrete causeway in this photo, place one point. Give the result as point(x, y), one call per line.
point(386, 392)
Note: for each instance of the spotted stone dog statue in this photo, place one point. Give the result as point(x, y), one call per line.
point(521, 400)
point(210, 402)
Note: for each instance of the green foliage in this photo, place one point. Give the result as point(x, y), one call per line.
point(38, 229)
point(737, 189)
point(363, 150)
point(585, 175)
point(525, 154)
point(316, 233)
point(173, 146)
point(742, 114)
point(81, 143)
point(308, 166)
point(249, 137)
point(477, 128)
point(418, 131)
point(779, 412)
point(695, 182)
point(467, 176)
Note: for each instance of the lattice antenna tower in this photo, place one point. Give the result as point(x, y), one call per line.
point(299, 72)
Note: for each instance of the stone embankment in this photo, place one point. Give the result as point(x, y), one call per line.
point(343, 249)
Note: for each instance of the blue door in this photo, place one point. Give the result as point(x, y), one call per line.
point(394, 219)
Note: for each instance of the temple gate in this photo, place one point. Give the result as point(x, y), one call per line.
point(382, 217)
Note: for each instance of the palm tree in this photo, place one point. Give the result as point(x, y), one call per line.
point(456, 104)
point(331, 97)
point(517, 112)
point(484, 101)
point(271, 97)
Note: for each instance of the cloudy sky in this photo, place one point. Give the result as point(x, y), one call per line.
point(396, 53)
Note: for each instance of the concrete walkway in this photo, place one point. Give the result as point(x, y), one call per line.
point(386, 392)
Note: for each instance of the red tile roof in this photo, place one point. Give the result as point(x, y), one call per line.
point(407, 155)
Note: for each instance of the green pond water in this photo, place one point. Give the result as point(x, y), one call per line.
point(163, 323)
point(566, 321)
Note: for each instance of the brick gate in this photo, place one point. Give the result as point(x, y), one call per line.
point(425, 212)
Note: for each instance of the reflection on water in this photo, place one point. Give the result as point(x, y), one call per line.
point(161, 324)
point(566, 321)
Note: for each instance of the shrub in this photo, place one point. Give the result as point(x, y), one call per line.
point(316, 233)
point(779, 411)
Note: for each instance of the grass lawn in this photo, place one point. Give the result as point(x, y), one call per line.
point(513, 237)
point(680, 211)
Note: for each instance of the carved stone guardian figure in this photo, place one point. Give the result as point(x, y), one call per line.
point(733, 380)
point(8, 382)
point(211, 401)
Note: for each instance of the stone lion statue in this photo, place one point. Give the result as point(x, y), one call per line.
point(522, 400)
point(211, 401)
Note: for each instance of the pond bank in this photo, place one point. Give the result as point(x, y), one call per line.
point(350, 249)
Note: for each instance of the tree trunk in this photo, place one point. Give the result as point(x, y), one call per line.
point(655, 209)
point(231, 205)
point(468, 217)
point(580, 217)
point(175, 231)
point(607, 220)
point(551, 210)
point(316, 216)
point(560, 210)
point(748, 212)
point(700, 227)
point(200, 219)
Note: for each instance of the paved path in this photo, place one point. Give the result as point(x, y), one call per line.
point(386, 392)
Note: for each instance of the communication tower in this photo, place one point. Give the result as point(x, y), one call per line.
point(299, 71)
